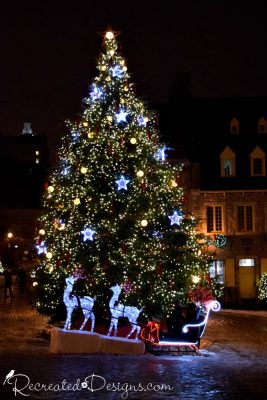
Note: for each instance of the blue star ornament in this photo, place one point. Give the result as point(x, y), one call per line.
point(141, 121)
point(88, 234)
point(116, 71)
point(122, 183)
point(96, 93)
point(41, 248)
point(121, 116)
point(176, 218)
point(160, 154)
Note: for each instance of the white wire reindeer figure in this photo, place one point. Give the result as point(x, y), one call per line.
point(87, 304)
point(119, 310)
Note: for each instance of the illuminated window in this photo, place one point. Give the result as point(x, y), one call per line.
point(37, 161)
point(245, 218)
point(227, 162)
point(214, 219)
point(216, 269)
point(257, 162)
point(246, 262)
point(37, 153)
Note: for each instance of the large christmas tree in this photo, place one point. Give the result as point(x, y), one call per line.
point(113, 210)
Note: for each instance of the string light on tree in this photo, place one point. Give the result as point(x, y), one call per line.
point(115, 189)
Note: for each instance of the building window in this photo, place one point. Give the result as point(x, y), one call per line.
point(228, 167)
point(257, 162)
point(227, 157)
point(234, 126)
point(246, 262)
point(257, 166)
point(37, 153)
point(37, 161)
point(245, 218)
point(216, 269)
point(262, 125)
point(214, 219)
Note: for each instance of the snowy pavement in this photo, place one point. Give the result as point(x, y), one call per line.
point(232, 366)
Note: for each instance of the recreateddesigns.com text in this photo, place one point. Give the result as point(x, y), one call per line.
point(21, 385)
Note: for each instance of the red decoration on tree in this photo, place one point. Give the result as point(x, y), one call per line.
point(200, 294)
point(124, 248)
point(127, 286)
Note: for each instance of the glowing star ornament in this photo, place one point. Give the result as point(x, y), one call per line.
point(142, 121)
point(176, 218)
point(121, 116)
point(88, 234)
point(116, 71)
point(122, 183)
point(160, 154)
point(41, 248)
point(96, 93)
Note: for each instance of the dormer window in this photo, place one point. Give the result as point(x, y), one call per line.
point(257, 162)
point(234, 126)
point(227, 162)
point(262, 125)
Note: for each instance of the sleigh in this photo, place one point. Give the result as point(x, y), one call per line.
point(186, 339)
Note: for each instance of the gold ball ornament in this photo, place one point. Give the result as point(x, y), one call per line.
point(50, 189)
point(140, 174)
point(77, 201)
point(173, 183)
point(133, 140)
point(91, 135)
point(109, 35)
point(144, 222)
point(42, 232)
point(84, 170)
point(49, 255)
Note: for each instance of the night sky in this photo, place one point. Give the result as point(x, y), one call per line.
point(48, 53)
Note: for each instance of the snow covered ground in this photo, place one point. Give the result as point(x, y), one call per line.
point(232, 366)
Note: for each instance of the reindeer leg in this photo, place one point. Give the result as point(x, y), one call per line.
point(86, 317)
point(132, 331)
point(111, 326)
point(115, 327)
point(137, 332)
point(92, 321)
point(68, 319)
